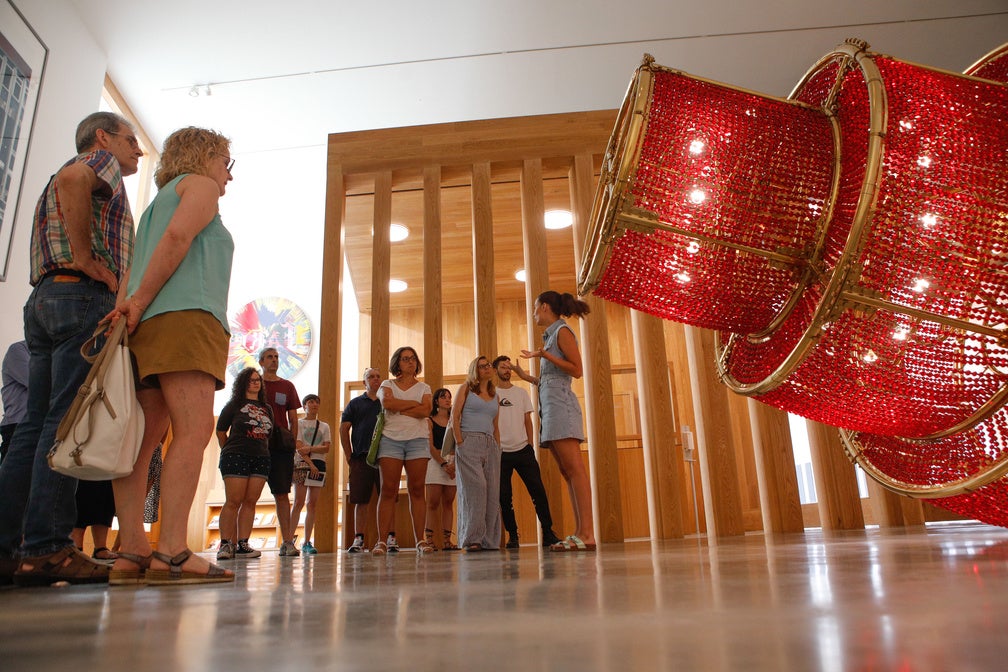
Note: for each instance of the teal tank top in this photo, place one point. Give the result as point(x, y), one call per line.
point(202, 280)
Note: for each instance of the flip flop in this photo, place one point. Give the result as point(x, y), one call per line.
point(572, 544)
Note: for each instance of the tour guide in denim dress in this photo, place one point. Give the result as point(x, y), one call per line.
point(562, 432)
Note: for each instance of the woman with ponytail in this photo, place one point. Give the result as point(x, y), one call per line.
point(562, 426)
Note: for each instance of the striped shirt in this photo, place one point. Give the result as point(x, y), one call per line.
point(111, 221)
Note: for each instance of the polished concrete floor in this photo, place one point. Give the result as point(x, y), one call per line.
point(925, 598)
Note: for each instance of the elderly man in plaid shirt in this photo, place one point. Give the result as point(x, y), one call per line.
point(81, 250)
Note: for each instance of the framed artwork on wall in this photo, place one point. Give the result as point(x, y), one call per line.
point(22, 62)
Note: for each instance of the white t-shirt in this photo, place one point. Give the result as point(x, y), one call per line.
point(513, 403)
point(305, 430)
point(402, 427)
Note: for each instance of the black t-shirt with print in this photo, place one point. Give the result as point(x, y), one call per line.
point(248, 425)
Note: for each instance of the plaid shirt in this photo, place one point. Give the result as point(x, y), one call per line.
point(111, 221)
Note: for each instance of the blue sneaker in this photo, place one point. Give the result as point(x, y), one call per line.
point(308, 549)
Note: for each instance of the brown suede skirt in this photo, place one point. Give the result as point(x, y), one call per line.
point(182, 340)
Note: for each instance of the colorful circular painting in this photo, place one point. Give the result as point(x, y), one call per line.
point(270, 322)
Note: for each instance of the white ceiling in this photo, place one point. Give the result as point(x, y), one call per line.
point(284, 74)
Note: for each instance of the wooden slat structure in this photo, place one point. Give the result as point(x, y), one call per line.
point(474, 196)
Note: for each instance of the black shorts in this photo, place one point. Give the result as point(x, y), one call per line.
point(281, 474)
point(363, 480)
point(233, 464)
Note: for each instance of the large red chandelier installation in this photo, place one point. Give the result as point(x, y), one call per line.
point(849, 244)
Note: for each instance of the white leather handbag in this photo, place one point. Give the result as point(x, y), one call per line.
point(99, 437)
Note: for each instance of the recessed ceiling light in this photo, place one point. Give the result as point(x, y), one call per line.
point(398, 232)
point(558, 219)
point(396, 286)
point(520, 275)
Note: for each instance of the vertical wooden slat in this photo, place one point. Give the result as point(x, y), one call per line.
point(780, 503)
point(602, 456)
point(694, 517)
point(536, 282)
point(381, 260)
point(663, 466)
point(745, 460)
point(433, 361)
point(892, 510)
point(483, 262)
point(835, 480)
point(716, 452)
point(330, 351)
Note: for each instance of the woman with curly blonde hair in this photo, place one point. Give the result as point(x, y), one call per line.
point(176, 310)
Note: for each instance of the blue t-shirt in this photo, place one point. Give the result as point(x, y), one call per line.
point(362, 414)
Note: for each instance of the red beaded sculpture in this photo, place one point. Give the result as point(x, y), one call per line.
point(849, 244)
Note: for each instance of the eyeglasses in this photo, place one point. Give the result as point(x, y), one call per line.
point(230, 161)
point(407, 358)
point(255, 380)
point(130, 139)
point(485, 365)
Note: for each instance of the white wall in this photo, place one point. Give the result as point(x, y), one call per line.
point(71, 88)
point(276, 218)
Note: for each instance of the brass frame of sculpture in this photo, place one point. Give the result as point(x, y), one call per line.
point(610, 216)
point(831, 305)
point(993, 54)
point(985, 476)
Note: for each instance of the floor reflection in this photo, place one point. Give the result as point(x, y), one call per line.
point(929, 598)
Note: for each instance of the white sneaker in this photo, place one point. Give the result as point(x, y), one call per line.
point(289, 549)
point(393, 547)
point(358, 544)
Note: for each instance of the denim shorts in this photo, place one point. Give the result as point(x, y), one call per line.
point(410, 449)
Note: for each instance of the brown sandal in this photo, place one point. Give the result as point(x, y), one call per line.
point(176, 576)
point(131, 577)
point(49, 569)
point(448, 545)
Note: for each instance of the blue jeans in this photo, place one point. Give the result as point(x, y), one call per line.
point(35, 501)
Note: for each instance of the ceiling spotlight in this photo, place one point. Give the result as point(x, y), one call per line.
point(398, 232)
point(208, 92)
point(520, 275)
point(396, 286)
point(194, 91)
point(558, 219)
